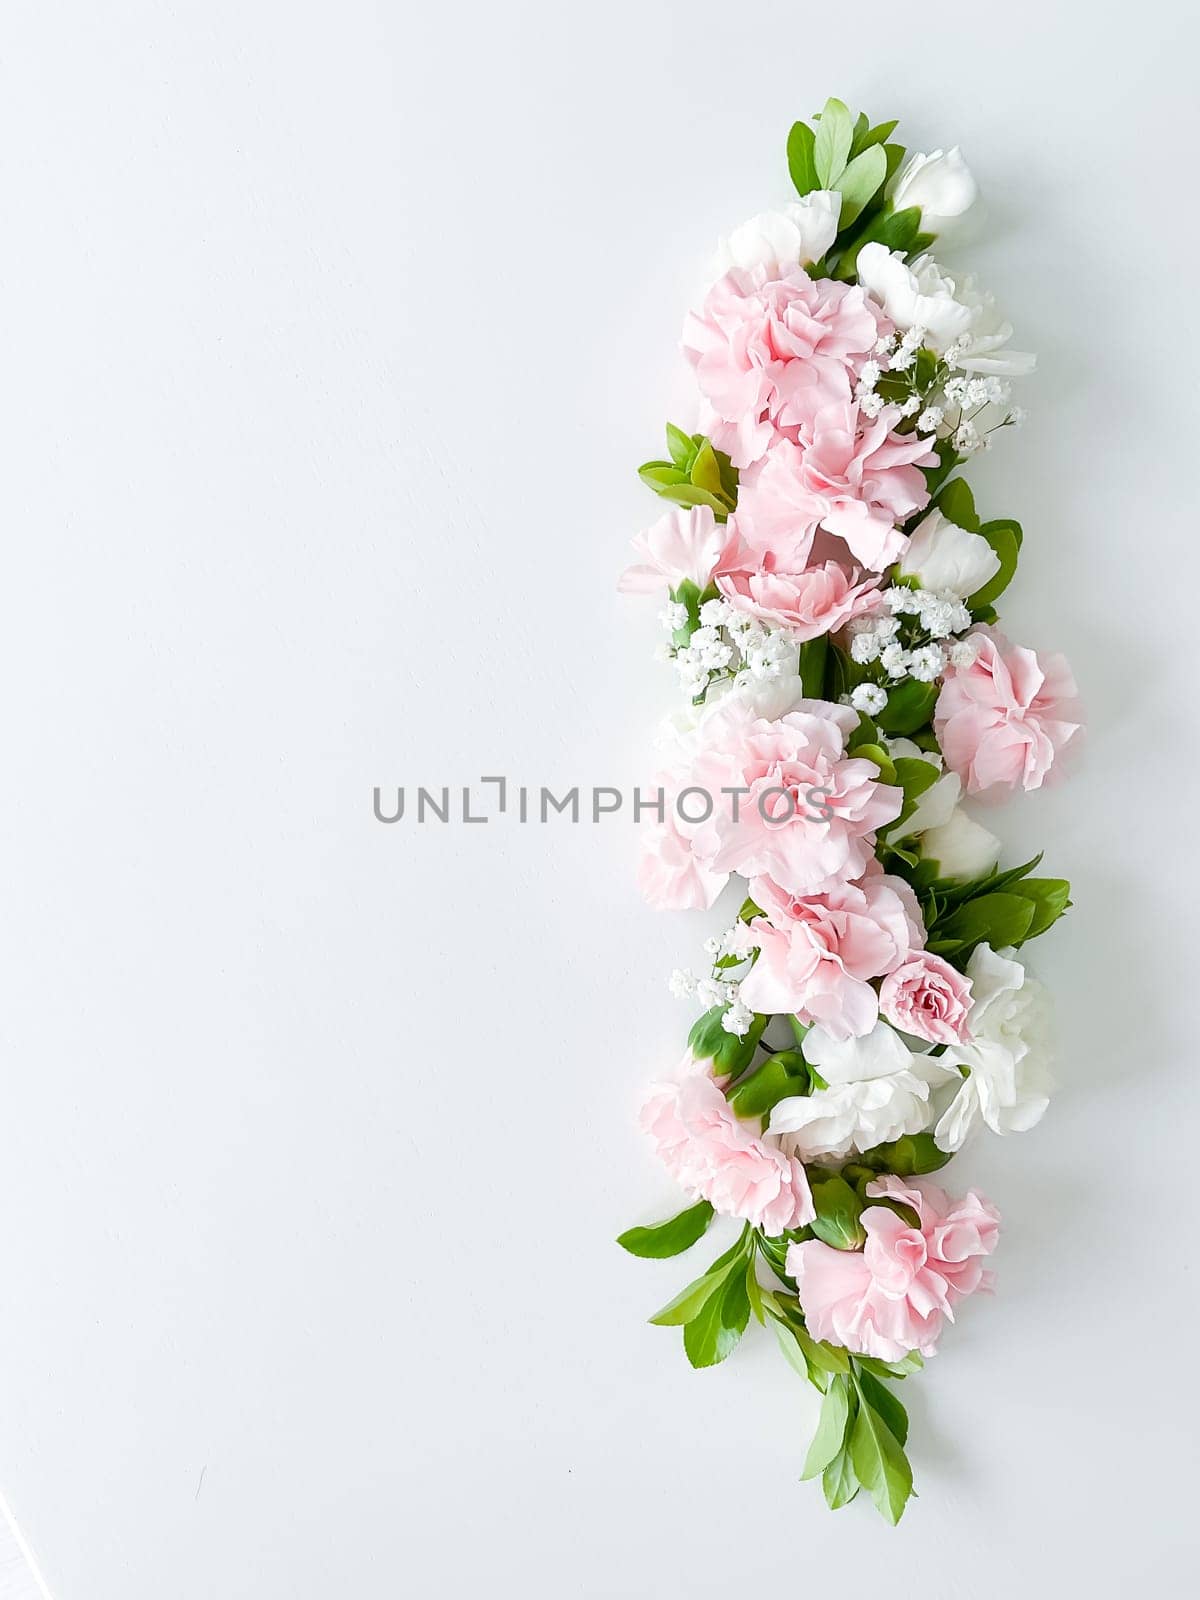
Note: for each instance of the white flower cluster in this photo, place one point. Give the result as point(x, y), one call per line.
point(896, 353)
point(938, 615)
point(709, 992)
point(885, 1084)
point(727, 643)
point(949, 402)
point(970, 397)
point(737, 943)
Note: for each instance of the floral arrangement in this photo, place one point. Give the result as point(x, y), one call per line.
point(830, 593)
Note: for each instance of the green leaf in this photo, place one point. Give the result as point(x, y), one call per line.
point(895, 230)
point(670, 1238)
point(706, 473)
point(755, 1292)
point(778, 1078)
point(661, 474)
point(910, 706)
point(904, 1368)
point(827, 1357)
point(831, 1429)
point(886, 1406)
point(865, 733)
point(881, 758)
point(879, 1461)
point(729, 1054)
point(839, 1481)
point(879, 134)
point(957, 504)
point(669, 483)
point(800, 160)
point(935, 477)
point(813, 656)
point(688, 1302)
point(895, 155)
point(680, 446)
point(859, 182)
point(714, 1332)
point(997, 919)
point(838, 1211)
point(1050, 897)
point(914, 777)
point(793, 1353)
point(1004, 536)
point(831, 146)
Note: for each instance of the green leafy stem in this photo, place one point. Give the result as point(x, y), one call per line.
point(862, 1428)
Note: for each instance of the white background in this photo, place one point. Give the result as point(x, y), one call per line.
point(331, 338)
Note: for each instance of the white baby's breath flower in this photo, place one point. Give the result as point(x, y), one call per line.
point(864, 647)
point(737, 1019)
point(870, 698)
point(682, 983)
point(927, 663)
point(710, 992)
point(895, 659)
point(715, 613)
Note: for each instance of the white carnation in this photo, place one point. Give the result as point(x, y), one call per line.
point(951, 313)
point(916, 296)
point(959, 848)
point(940, 183)
point(950, 559)
point(1008, 1058)
point(878, 1091)
point(796, 234)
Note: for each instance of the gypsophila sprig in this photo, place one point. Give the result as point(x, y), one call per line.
point(828, 592)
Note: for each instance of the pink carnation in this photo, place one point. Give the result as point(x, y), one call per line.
point(788, 804)
point(894, 1295)
point(816, 954)
point(927, 997)
point(1005, 718)
point(682, 544)
point(820, 599)
point(670, 875)
point(716, 1157)
point(846, 473)
point(770, 346)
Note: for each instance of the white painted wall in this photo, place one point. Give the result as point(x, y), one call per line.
point(331, 338)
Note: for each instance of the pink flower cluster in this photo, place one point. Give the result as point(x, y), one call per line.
point(772, 797)
point(1003, 719)
point(817, 955)
point(759, 781)
point(823, 487)
point(715, 1157)
point(894, 1295)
